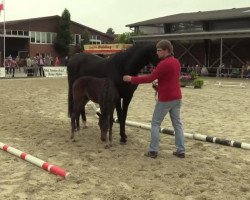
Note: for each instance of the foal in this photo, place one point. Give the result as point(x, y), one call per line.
point(98, 90)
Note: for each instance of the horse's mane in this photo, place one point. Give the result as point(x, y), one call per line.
point(133, 59)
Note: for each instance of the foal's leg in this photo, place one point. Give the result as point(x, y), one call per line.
point(77, 121)
point(110, 130)
point(83, 113)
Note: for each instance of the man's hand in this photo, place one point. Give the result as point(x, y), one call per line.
point(127, 78)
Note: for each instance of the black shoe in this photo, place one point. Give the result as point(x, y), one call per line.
point(151, 154)
point(179, 155)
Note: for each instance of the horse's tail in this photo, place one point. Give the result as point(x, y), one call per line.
point(73, 70)
point(71, 79)
point(70, 100)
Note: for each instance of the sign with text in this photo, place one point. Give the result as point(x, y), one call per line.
point(105, 48)
point(2, 72)
point(55, 71)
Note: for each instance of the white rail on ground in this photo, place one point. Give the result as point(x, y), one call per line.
point(230, 84)
point(187, 135)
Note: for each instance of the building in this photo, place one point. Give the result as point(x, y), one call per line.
point(202, 38)
point(36, 36)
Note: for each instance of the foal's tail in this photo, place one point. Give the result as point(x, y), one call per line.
point(108, 97)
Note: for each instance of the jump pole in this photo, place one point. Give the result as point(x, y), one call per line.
point(187, 135)
point(192, 136)
point(40, 163)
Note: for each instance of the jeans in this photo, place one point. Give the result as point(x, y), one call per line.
point(161, 110)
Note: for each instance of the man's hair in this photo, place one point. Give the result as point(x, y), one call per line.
point(164, 45)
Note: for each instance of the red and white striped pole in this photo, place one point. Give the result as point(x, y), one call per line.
point(40, 163)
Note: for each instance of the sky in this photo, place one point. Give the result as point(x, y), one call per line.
point(116, 14)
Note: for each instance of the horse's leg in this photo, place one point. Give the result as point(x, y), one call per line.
point(125, 104)
point(73, 126)
point(121, 120)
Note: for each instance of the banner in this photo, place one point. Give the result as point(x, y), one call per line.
point(55, 71)
point(105, 48)
point(2, 72)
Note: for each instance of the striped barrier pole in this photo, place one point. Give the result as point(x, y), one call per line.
point(187, 135)
point(192, 136)
point(40, 163)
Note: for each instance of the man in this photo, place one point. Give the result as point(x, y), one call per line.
point(169, 97)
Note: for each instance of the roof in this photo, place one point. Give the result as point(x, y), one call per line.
point(13, 22)
point(233, 13)
point(195, 36)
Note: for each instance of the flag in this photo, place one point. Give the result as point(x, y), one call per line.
point(1, 7)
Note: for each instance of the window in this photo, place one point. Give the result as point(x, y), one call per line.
point(14, 33)
point(19, 32)
point(49, 39)
point(94, 39)
point(185, 27)
point(53, 37)
point(32, 37)
point(43, 37)
point(77, 38)
point(8, 32)
point(38, 38)
point(26, 33)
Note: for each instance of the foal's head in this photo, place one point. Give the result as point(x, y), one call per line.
point(104, 125)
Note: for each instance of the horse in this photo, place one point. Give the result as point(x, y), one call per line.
point(99, 90)
point(129, 61)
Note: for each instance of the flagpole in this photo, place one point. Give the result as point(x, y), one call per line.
point(4, 32)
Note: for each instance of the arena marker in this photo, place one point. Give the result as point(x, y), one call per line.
point(40, 163)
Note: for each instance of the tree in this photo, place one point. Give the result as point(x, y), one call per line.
point(110, 31)
point(84, 38)
point(126, 37)
point(63, 38)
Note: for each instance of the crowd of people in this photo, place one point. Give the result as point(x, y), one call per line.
point(32, 66)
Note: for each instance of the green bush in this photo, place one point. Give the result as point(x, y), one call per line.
point(198, 83)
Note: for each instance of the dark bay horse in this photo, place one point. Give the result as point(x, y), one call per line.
point(130, 61)
point(99, 90)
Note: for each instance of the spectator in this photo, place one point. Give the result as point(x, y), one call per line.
point(57, 62)
point(40, 65)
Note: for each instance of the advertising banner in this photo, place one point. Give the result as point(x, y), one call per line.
point(2, 72)
point(105, 48)
point(55, 71)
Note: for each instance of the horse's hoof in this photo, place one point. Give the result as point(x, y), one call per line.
point(85, 127)
point(107, 146)
point(73, 140)
point(123, 143)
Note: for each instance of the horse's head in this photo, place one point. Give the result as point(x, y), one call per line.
point(143, 55)
point(104, 125)
point(151, 55)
